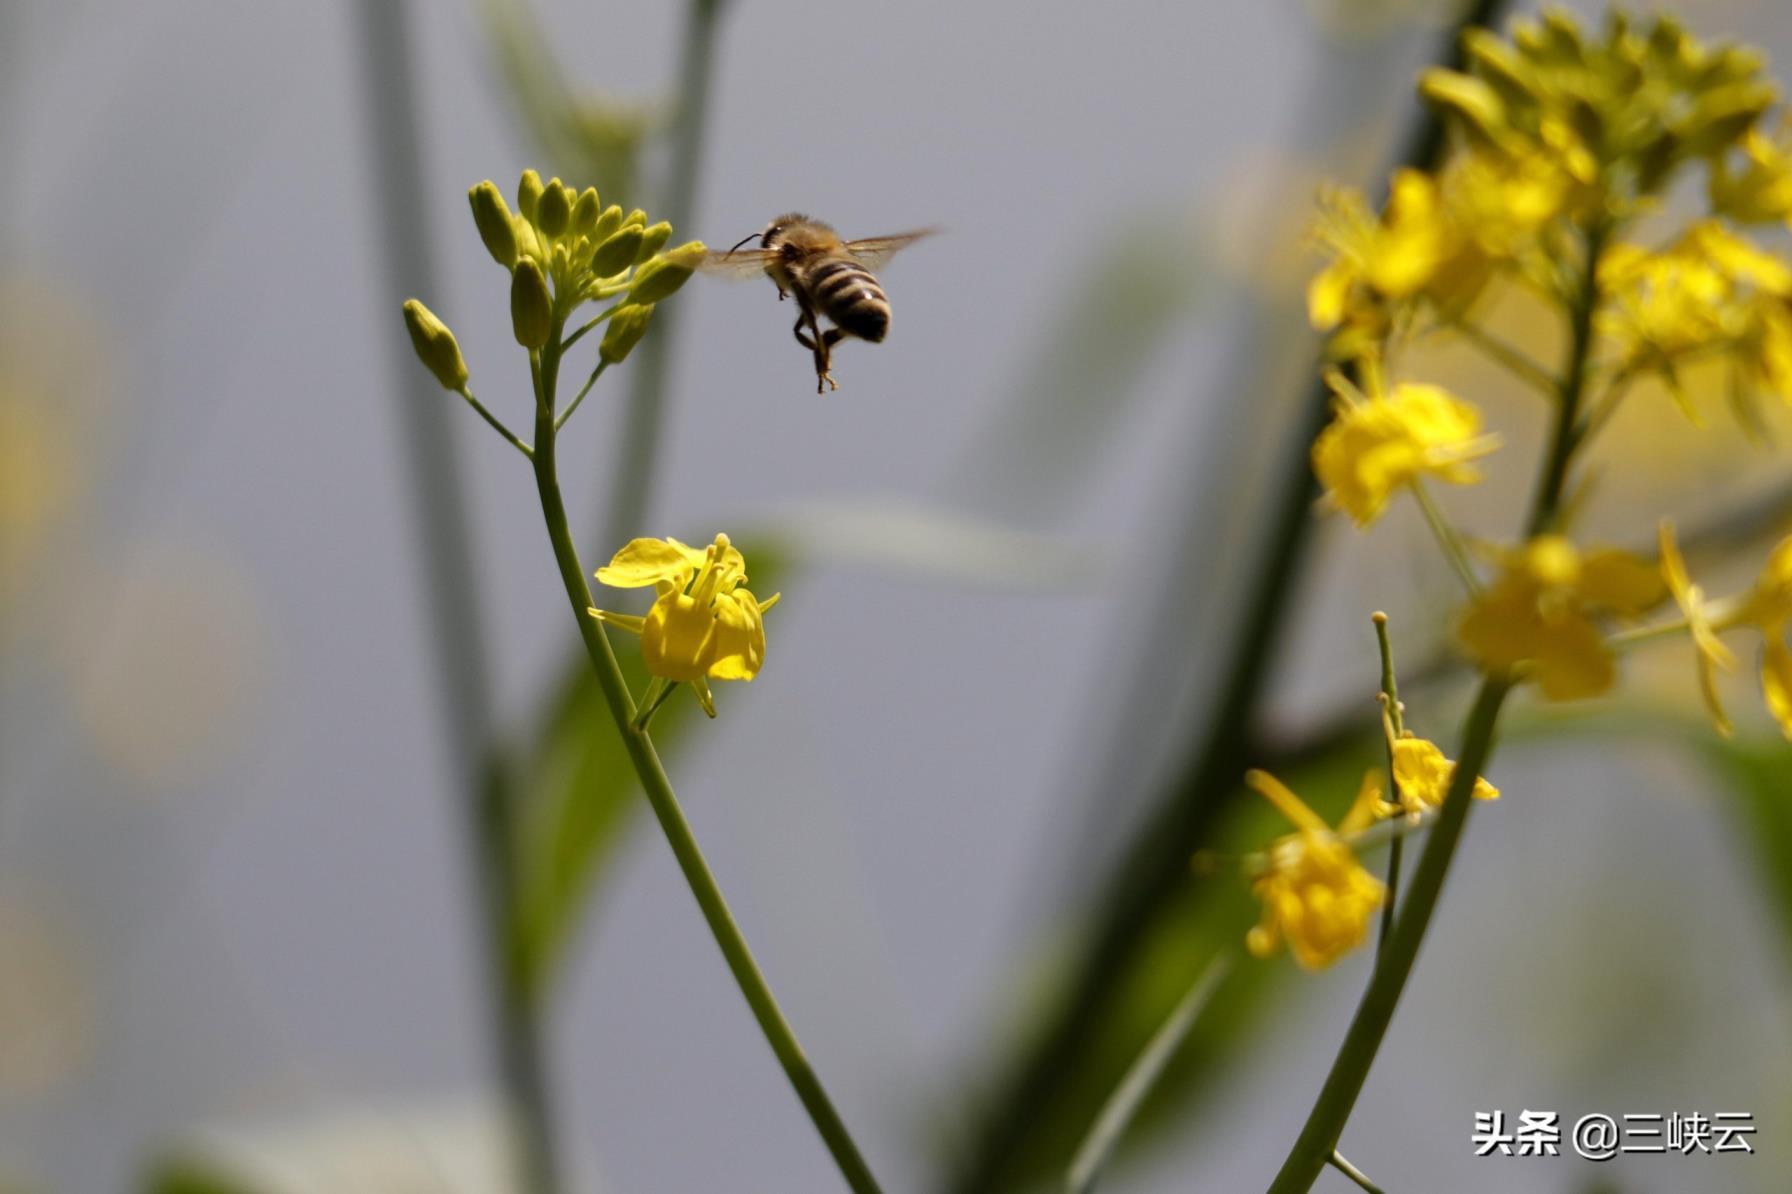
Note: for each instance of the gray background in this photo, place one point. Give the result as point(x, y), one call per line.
point(232, 884)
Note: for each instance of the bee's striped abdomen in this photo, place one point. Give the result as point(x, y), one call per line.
point(846, 293)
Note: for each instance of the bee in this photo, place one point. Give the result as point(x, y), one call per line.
point(828, 276)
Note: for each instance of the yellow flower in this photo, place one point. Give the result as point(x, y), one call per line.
point(1392, 258)
point(1378, 444)
point(1767, 607)
point(1711, 292)
point(1315, 893)
point(705, 624)
point(1711, 651)
point(1422, 775)
point(1761, 191)
point(1544, 609)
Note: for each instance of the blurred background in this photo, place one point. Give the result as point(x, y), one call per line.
point(1045, 576)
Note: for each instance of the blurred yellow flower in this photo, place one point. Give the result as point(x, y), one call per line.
point(705, 624)
point(1393, 257)
point(1315, 894)
point(1544, 612)
point(1422, 775)
point(1760, 192)
point(1377, 444)
point(1710, 293)
point(1767, 607)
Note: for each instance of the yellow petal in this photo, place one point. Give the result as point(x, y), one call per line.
point(739, 637)
point(1572, 660)
point(649, 562)
point(1619, 581)
point(1776, 683)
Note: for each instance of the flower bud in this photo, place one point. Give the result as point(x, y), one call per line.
point(554, 212)
point(436, 346)
point(585, 212)
point(608, 224)
point(492, 216)
point(531, 307)
point(626, 328)
point(636, 218)
point(617, 253)
point(660, 278)
point(528, 194)
point(653, 239)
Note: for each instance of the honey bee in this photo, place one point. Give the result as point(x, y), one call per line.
point(829, 277)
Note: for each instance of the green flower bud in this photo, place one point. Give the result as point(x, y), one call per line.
point(617, 253)
point(625, 330)
point(660, 278)
point(554, 212)
point(531, 307)
point(608, 224)
point(436, 346)
point(528, 194)
point(492, 216)
point(653, 239)
point(636, 218)
point(585, 212)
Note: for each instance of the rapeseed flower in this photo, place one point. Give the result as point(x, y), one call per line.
point(1377, 444)
point(1316, 896)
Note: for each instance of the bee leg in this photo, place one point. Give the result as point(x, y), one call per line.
point(823, 345)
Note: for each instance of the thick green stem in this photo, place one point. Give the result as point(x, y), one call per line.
point(660, 796)
point(1318, 1139)
point(1390, 691)
point(444, 536)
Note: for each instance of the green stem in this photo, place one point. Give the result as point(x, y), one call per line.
point(1446, 536)
point(1141, 1078)
point(1150, 869)
point(1390, 691)
point(1517, 362)
point(631, 487)
point(497, 424)
point(1319, 1137)
point(1325, 1124)
point(450, 578)
point(660, 796)
point(560, 419)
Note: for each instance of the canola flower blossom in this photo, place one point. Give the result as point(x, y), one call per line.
point(705, 623)
point(1546, 610)
point(1380, 443)
point(1316, 895)
point(1767, 608)
point(1422, 775)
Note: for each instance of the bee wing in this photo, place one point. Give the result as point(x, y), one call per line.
point(738, 264)
point(874, 251)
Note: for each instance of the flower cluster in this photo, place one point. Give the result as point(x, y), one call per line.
point(1560, 142)
point(705, 624)
point(563, 247)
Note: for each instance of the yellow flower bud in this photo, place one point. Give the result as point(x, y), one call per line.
point(608, 224)
point(554, 211)
point(617, 253)
point(435, 346)
point(528, 194)
point(585, 212)
point(531, 307)
point(660, 278)
point(626, 328)
point(636, 219)
point(492, 217)
point(653, 239)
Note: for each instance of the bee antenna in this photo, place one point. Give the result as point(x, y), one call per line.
point(743, 240)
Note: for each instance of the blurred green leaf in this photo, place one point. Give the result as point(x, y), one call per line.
point(578, 795)
point(182, 1175)
point(1759, 777)
point(1209, 914)
point(588, 138)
